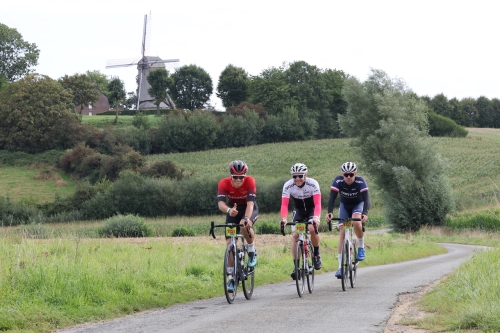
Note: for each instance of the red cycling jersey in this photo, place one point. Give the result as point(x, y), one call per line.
point(239, 196)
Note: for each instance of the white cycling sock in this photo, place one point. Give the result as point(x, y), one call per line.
point(251, 248)
point(339, 256)
point(361, 242)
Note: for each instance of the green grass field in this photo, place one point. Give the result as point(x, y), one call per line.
point(68, 279)
point(34, 185)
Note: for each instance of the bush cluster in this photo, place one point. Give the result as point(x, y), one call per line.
point(125, 226)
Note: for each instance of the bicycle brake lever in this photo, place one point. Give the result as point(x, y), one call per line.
point(212, 229)
point(329, 225)
point(282, 229)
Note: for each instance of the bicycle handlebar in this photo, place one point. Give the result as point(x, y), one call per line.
point(213, 226)
point(293, 223)
point(347, 219)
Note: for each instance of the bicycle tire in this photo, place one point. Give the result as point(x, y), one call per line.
point(354, 265)
point(310, 268)
point(299, 272)
point(345, 265)
point(229, 252)
point(247, 279)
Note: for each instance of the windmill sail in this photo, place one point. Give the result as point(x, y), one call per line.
point(144, 65)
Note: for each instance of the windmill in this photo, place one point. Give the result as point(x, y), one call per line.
point(144, 66)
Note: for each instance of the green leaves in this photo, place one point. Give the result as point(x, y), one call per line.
point(192, 87)
point(17, 57)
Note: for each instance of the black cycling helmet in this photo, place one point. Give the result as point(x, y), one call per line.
point(349, 167)
point(238, 167)
point(298, 168)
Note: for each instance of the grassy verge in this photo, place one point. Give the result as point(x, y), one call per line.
point(467, 300)
point(49, 284)
point(35, 185)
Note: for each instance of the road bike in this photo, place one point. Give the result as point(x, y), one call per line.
point(349, 261)
point(236, 257)
point(304, 268)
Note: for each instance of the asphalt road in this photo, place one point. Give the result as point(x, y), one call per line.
point(277, 307)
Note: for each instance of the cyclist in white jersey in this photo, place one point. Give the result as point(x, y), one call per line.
point(306, 196)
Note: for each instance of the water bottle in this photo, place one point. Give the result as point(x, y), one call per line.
point(306, 250)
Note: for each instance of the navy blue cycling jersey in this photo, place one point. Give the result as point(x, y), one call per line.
point(349, 194)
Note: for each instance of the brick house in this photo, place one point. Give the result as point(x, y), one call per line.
point(99, 106)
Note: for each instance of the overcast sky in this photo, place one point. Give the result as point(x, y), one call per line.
point(438, 46)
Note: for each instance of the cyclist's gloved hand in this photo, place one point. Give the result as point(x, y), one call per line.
point(283, 222)
point(329, 217)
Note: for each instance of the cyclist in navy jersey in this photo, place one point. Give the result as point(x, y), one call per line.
point(306, 197)
point(354, 203)
point(239, 190)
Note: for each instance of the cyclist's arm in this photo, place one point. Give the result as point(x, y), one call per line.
point(366, 198)
point(284, 207)
point(317, 205)
point(331, 200)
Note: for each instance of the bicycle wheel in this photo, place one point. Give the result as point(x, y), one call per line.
point(310, 268)
point(354, 265)
point(247, 278)
point(229, 295)
point(299, 272)
point(345, 265)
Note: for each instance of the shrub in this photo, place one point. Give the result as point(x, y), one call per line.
point(267, 194)
point(443, 126)
point(268, 228)
point(164, 169)
point(125, 226)
point(182, 232)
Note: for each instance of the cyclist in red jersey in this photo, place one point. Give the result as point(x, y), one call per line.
point(236, 198)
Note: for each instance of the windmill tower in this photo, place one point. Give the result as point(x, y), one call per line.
point(144, 65)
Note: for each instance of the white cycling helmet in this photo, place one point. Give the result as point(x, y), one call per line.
point(298, 168)
point(349, 167)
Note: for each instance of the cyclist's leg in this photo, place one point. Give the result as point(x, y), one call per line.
point(231, 219)
point(250, 238)
point(343, 214)
point(315, 240)
point(358, 230)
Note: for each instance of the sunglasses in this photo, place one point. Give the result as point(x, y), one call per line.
point(238, 177)
point(348, 175)
point(298, 176)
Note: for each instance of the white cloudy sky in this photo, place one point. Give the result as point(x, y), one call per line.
point(436, 46)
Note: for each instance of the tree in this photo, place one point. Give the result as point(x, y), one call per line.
point(160, 82)
point(131, 101)
point(486, 117)
point(82, 88)
point(441, 106)
point(232, 88)
point(17, 57)
point(100, 80)
point(192, 87)
point(117, 94)
point(37, 114)
point(397, 151)
point(270, 90)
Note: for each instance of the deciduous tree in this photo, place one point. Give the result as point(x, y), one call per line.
point(160, 82)
point(82, 88)
point(17, 57)
point(117, 94)
point(37, 114)
point(397, 151)
point(192, 87)
point(232, 88)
